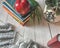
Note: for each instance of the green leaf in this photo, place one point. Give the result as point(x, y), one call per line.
point(51, 3)
point(33, 3)
point(37, 12)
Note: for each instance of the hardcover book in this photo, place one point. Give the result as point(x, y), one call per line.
point(15, 13)
point(17, 19)
point(8, 5)
point(11, 3)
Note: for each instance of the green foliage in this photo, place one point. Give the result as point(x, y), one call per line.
point(51, 3)
point(37, 12)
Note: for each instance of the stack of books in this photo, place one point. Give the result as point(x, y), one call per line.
point(54, 42)
point(8, 5)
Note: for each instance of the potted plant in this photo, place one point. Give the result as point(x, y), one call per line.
point(52, 11)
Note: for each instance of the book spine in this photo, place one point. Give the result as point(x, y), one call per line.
point(18, 15)
point(22, 23)
point(9, 8)
point(8, 11)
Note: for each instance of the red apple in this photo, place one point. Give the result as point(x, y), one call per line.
point(22, 6)
point(18, 6)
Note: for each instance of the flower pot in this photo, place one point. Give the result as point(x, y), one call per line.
point(52, 14)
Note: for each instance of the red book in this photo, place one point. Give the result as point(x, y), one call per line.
point(54, 42)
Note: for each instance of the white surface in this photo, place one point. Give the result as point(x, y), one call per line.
point(40, 33)
point(59, 38)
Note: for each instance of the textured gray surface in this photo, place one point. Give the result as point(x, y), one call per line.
point(41, 33)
